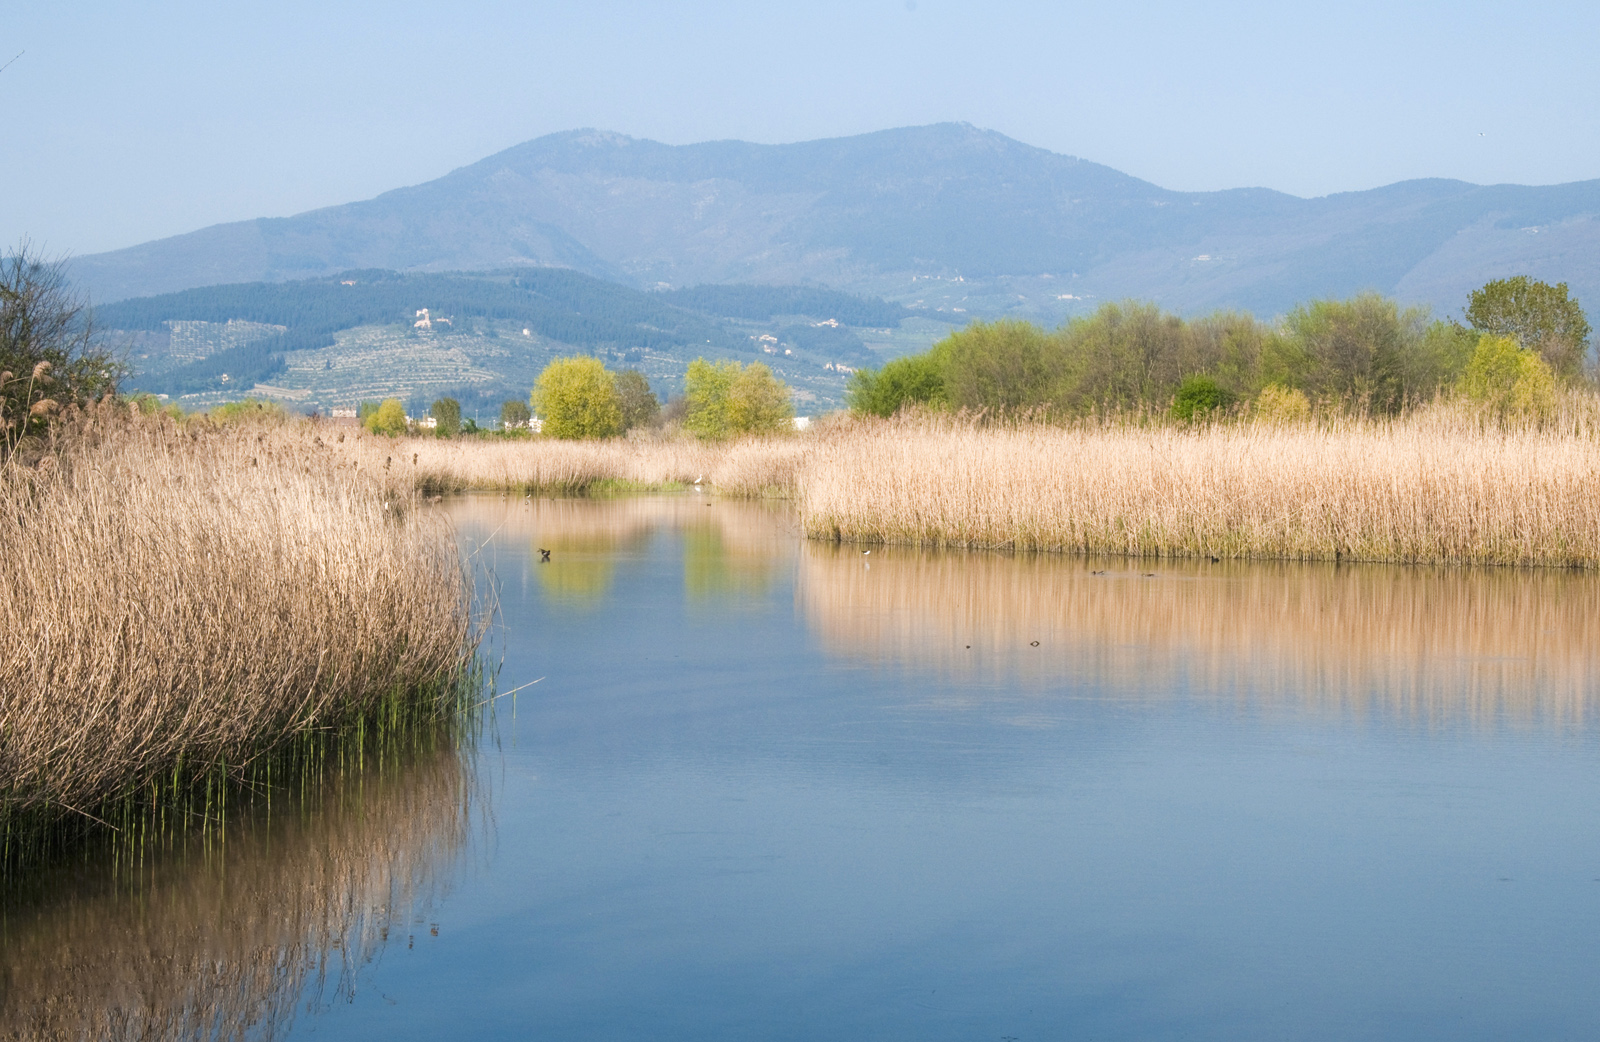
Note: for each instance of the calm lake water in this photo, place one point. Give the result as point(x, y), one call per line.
point(770, 789)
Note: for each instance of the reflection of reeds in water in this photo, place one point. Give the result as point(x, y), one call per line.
point(1431, 644)
point(730, 547)
point(222, 939)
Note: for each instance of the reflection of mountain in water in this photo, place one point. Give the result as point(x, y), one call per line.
point(1433, 644)
point(730, 547)
point(221, 940)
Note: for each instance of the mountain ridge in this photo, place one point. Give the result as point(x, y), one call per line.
point(869, 213)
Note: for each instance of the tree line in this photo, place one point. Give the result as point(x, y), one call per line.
point(578, 397)
point(1366, 353)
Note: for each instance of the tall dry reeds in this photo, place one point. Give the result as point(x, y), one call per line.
point(749, 467)
point(179, 601)
point(1439, 486)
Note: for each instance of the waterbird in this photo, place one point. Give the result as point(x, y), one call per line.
point(865, 552)
point(544, 555)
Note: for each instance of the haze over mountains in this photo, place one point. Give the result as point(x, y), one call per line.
point(932, 216)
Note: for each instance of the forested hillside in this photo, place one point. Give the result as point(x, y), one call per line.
point(514, 315)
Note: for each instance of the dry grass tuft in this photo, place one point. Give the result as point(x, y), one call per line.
point(183, 600)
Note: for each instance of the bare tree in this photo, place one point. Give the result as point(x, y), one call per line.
point(50, 356)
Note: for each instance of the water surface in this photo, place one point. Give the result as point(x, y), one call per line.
point(784, 790)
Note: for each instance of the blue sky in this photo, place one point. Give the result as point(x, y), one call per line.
point(128, 122)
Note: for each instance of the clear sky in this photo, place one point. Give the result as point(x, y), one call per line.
point(125, 122)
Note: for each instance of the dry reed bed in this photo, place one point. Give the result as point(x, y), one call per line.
point(192, 598)
point(751, 467)
point(1435, 488)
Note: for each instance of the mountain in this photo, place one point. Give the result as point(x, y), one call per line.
point(934, 217)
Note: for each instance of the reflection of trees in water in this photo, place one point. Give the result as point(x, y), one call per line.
point(730, 547)
point(1428, 643)
point(220, 936)
point(722, 559)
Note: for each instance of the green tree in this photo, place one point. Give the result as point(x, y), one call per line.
point(912, 379)
point(705, 392)
point(639, 404)
point(758, 402)
point(1199, 397)
point(389, 418)
point(1001, 366)
point(514, 414)
point(50, 356)
point(364, 410)
point(1354, 351)
point(724, 399)
point(1123, 355)
point(446, 413)
point(1536, 315)
point(577, 398)
point(1508, 379)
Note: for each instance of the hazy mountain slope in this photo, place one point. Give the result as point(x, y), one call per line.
point(872, 211)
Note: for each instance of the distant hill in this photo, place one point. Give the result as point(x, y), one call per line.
point(373, 333)
point(946, 216)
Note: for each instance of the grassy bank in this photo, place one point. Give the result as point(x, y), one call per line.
point(184, 606)
point(1438, 486)
point(1443, 484)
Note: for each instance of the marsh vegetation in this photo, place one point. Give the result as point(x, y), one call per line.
point(191, 607)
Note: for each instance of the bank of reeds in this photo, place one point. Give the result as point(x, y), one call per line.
point(746, 468)
point(182, 604)
point(1438, 486)
point(1441, 484)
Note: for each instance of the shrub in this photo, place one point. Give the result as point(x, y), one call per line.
point(1279, 404)
point(388, 418)
point(1509, 380)
point(577, 398)
point(1199, 397)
